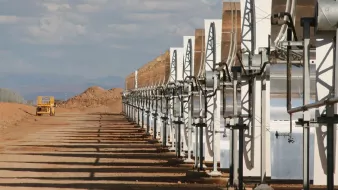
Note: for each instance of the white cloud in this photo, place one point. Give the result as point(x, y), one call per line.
point(181, 29)
point(149, 17)
point(124, 28)
point(113, 29)
point(97, 2)
point(57, 7)
point(87, 8)
point(12, 19)
point(216, 2)
point(54, 30)
point(5, 19)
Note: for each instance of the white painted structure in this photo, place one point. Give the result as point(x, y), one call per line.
point(252, 150)
point(213, 110)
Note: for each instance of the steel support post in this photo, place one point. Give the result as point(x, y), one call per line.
point(179, 127)
point(234, 134)
point(178, 136)
point(198, 134)
point(306, 22)
point(131, 110)
point(196, 147)
point(128, 109)
point(231, 150)
point(331, 129)
point(148, 115)
point(143, 107)
point(190, 116)
point(126, 105)
point(138, 111)
point(265, 77)
point(151, 104)
point(134, 110)
point(240, 154)
point(155, 119)
point(263, 128)
point(172, 126)
point(201, 157)
point(164, 135)
point(330, 147)
point(215, 172)
point(240, 143)
point(165, 122)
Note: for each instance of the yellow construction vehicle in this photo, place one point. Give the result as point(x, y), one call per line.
point(45, 105)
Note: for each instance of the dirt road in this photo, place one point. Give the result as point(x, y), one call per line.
point(81, 151)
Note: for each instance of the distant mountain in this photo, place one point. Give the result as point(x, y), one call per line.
point(58, 85)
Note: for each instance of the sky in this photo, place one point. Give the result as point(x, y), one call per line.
point(94, 38)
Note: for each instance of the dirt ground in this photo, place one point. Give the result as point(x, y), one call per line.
point(77, 150)
point(90, 149)
point(12, 113)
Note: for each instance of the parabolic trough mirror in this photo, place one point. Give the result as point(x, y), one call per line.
point(285, 155)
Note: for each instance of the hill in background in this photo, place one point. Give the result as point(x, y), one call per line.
point(96, 99)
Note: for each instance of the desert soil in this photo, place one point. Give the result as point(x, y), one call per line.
point(84, 151)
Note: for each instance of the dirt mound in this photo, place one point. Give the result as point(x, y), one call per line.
point(96, 98)
point(12, 113)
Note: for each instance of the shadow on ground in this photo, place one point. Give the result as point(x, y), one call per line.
point(125, 161)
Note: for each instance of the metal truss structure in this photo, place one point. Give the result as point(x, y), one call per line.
point(183, 110)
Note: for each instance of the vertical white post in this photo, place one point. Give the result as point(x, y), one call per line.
point(252, 151)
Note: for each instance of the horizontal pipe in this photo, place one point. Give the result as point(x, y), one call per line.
point(284, 62)
point(314, 105)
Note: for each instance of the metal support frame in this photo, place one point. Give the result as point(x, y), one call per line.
point(181, 91)
point(329, 117)
point(148, 112)
point(264, 112)
point(188, 72)
point(211, 76)
point(155, 114)
point(237, 127)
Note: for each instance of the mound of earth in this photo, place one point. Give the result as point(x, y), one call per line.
point(96, 99)
point(12, 113)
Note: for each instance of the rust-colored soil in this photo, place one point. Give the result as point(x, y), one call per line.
point(95, 99)
point(81, 150)
point(76, 150)
point(12, 113)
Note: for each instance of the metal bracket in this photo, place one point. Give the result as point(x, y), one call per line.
point(237, 126)
point(325, 119)
point(289, 135)
point(199, 124)
point(178, 122)
point(302, 123)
